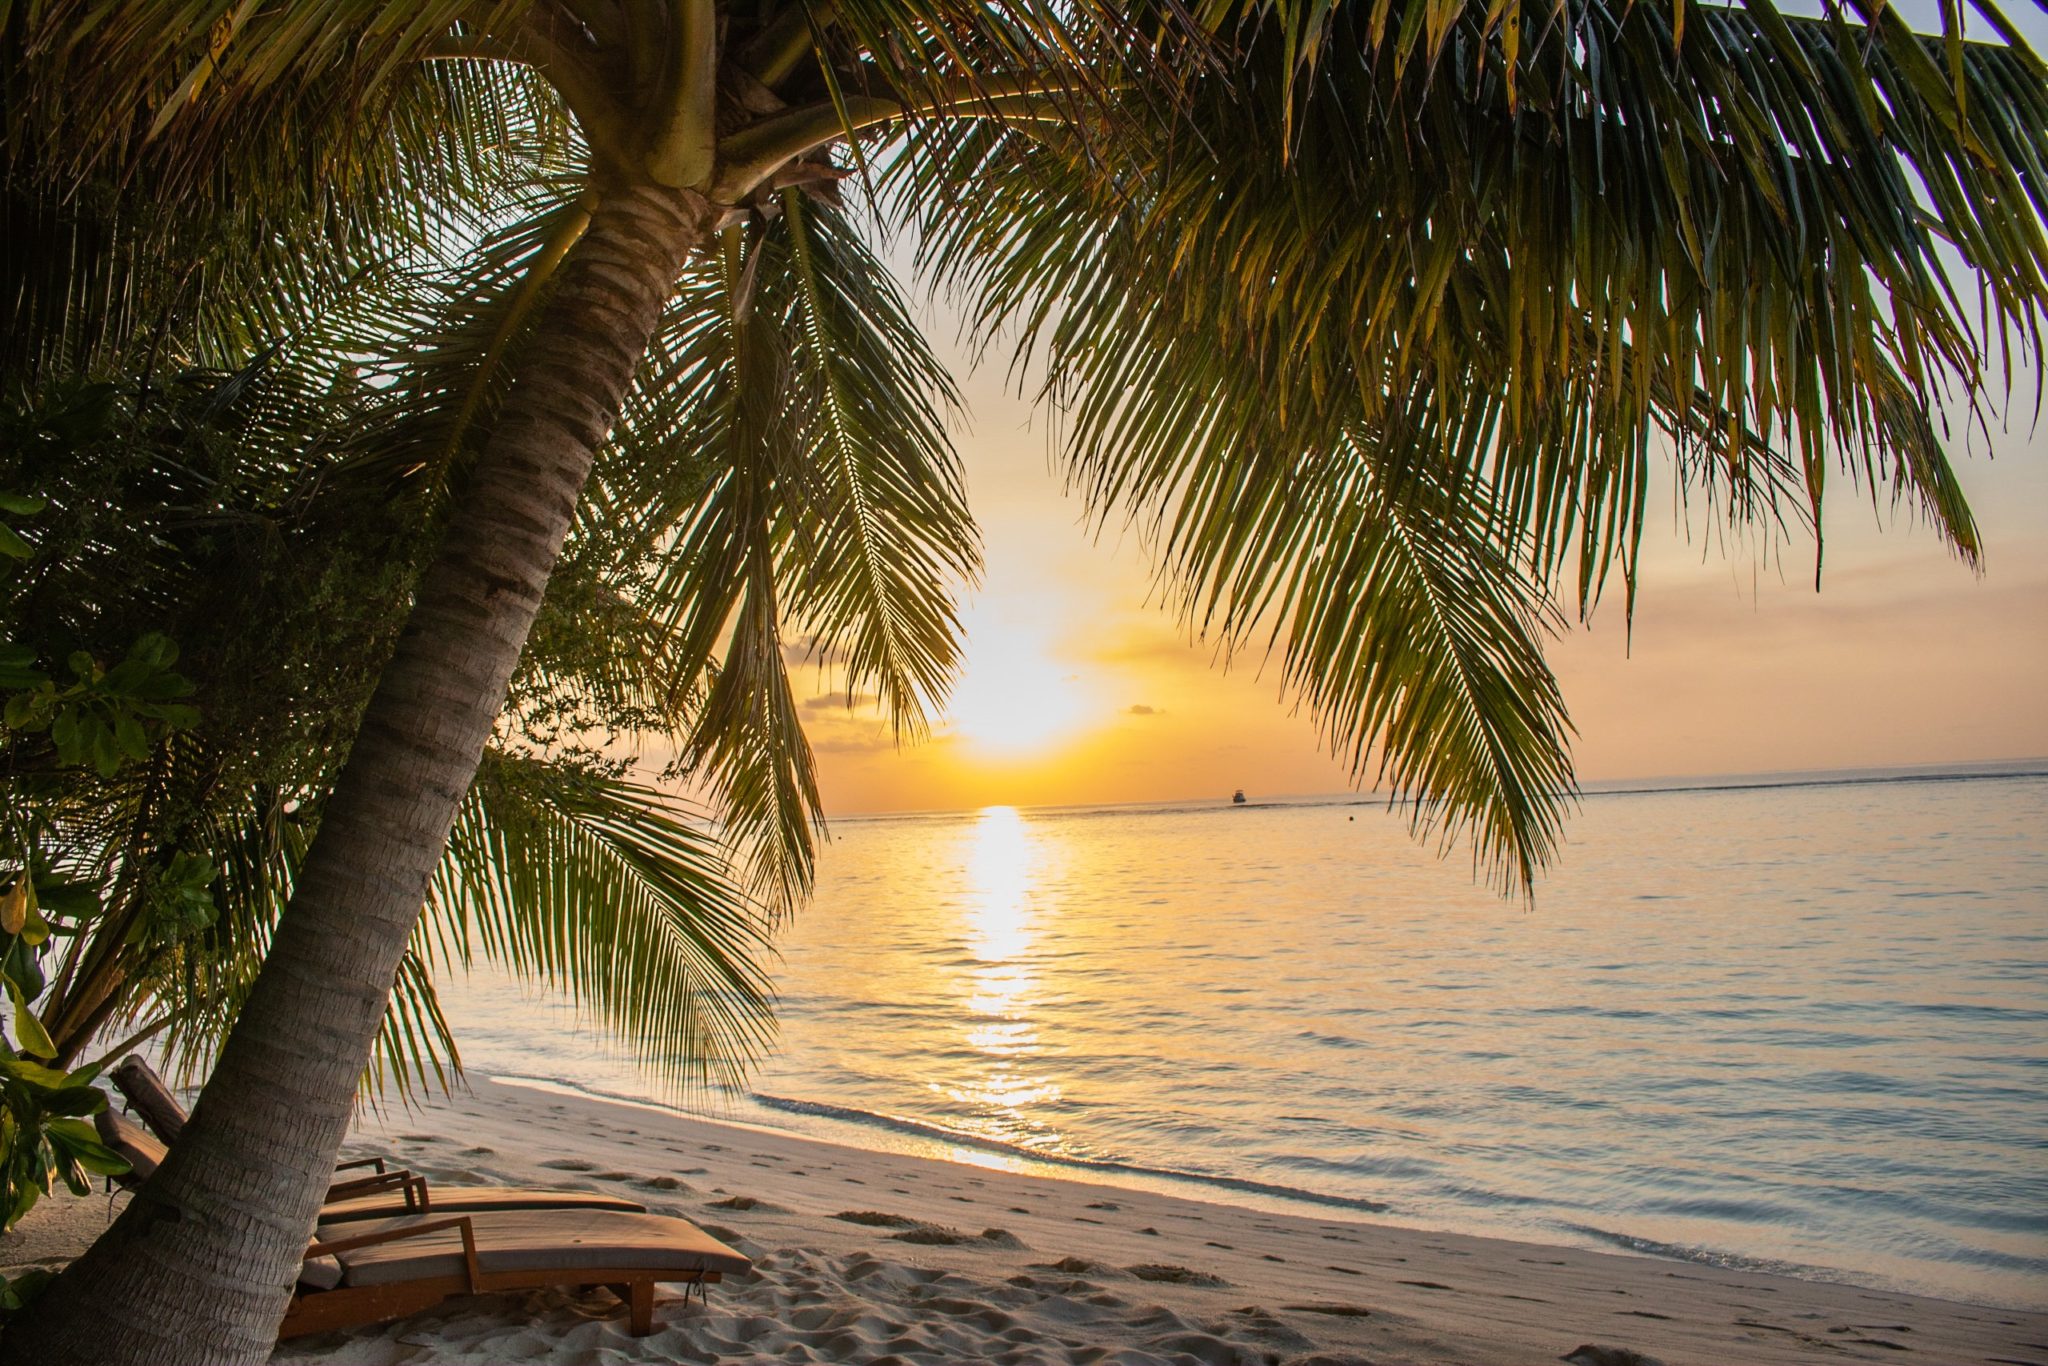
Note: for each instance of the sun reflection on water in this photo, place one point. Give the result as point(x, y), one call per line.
point(1001, 863)
point(999, 879)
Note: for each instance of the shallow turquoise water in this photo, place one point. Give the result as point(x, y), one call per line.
point(1799, 1027)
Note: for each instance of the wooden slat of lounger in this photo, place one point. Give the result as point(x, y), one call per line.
point(474, 1199)
point(516, 1242)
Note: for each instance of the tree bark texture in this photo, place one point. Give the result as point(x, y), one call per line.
point(199, 1267)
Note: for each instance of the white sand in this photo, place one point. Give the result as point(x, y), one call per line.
point(990, 1266)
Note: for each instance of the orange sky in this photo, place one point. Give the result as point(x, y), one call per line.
point(1076, 692)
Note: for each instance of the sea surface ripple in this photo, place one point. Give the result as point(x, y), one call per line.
point(1796, 1026)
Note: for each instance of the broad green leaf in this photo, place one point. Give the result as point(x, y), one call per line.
point(29, 1033)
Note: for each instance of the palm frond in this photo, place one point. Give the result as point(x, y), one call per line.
point(784, 464)
point(1515, 256)
point(1403, 621)
point(208, 244)
point(599, 887)
point(886, 487)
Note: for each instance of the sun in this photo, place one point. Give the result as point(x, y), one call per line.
point(1016, 699)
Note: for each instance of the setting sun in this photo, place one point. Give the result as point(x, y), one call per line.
point(1017, 700)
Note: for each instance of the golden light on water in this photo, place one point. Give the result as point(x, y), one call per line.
point(1001, 862)
point(999, 877)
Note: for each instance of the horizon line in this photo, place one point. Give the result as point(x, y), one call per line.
point(2026, 766)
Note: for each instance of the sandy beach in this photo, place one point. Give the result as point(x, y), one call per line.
point(873, 1257)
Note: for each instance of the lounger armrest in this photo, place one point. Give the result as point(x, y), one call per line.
point(370, 1185)
point(376, 1162)
point(459, 1222)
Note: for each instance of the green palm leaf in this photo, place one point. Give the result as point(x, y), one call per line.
point(785, 466)
point(600, 888)
point(1516, 261)
point(886, 485)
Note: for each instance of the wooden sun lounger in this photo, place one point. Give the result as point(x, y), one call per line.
point(379, 1196)
point(355, 1276)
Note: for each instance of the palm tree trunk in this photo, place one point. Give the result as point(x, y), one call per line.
point(200, 1265)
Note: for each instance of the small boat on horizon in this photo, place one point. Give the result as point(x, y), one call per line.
point(1237, 797)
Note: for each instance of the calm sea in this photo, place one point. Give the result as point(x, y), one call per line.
point(1798, 1026)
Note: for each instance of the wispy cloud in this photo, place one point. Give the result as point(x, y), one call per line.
point(842, 701)
point(809, 649)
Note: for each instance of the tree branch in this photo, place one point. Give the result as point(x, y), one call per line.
point(686, 146)
point(531, 38)
point(751, 155)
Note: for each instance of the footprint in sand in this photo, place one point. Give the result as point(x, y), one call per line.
point(1337, 1311)
point(745, 1202)
point(1255, 1323)
point(1104, 1204)
point(569, 1164)
point(661, 1183)
point(1079, 1266)
point(1425, 1285)
point(1174, 1275)
point(874, 1218)
point(1593, 1354)
point(478, 1151)
point(937, 1235)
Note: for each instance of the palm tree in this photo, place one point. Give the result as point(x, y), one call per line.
point(267, 517)
point(1373, 316)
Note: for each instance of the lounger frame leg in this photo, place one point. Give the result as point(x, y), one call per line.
point(640, 1299)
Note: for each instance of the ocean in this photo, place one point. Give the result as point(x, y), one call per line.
point(1798, 1023)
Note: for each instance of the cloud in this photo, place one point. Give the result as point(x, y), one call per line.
point(843, 701)
point(810, 649)
point(881, 742)
point(1144, 709)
